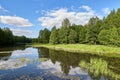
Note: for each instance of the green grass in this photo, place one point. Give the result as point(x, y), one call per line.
point(83, 48)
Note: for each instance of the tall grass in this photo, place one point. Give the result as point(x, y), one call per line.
point(85, 48)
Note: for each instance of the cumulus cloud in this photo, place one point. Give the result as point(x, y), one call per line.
point(3, 9)
point(49, 66)
point(27, 53)
point(87, 8)
point(21, 32)
point(15, 21)
point(106, 10)
point(13, 64)
point(77, 70)
point(55, 17)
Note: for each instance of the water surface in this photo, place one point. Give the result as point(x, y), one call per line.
point(20, 63)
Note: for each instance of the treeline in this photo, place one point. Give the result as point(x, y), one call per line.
point(7, 38)
point(96, 31)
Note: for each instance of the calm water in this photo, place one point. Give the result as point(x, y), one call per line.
point(20, 63)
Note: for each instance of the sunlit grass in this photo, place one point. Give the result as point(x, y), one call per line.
point(85, 48)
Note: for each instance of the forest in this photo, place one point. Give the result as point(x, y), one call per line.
point(7, 38)
point(97, 31)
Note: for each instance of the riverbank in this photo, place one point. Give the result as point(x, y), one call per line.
point(83, 48)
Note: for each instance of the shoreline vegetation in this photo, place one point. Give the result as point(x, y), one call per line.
point(83, 48)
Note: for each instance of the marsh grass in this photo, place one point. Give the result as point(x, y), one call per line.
point(82, 48)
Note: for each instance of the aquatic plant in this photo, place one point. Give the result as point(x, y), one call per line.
point(98, 68)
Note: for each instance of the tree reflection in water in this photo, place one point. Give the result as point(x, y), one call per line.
point(98, 67)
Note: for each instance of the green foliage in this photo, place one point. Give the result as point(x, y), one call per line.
point(44, 35)
point(54, 36)
point(7, 38)
point(21, 40)
point(72, 37)
point(63, 35)
point(93, 29)
point(1, 36)
point(82, 35)
point(109, 37)
point(64, 32)
point(104, 37)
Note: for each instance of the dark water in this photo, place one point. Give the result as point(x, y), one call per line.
point(20, 63)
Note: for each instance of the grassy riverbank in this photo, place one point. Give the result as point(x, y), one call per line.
point(84, 48)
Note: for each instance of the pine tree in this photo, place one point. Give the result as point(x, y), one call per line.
point(93, 28)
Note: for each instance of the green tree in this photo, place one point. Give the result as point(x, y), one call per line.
point(54, 36)
point(77, 29)
point(8, 36)
point(44, 35)
point(1, 36)
point(82, 35)
point(104, 37)
point(63, 35)
point(93, 29)
point(72, 37)
point(64, 31)
point(109, 37)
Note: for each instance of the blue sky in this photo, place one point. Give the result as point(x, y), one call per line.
point(27, 17)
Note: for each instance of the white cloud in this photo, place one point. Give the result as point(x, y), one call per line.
point(21, 32)
point(3, 9)
point(13, 64)
point(87, 8)
point(49, 66)
point(27, 53)
point(55, 17)
point(106, 10)
point(77, 70)
point(15, 21)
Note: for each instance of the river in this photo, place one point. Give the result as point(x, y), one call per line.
point(28, 63)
